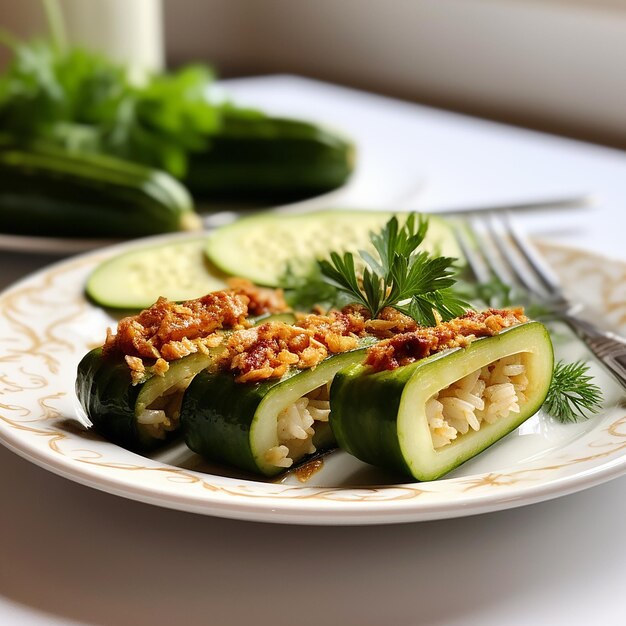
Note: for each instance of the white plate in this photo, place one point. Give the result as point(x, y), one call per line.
point(211, 217)
point(46, 326)
point(64, 246)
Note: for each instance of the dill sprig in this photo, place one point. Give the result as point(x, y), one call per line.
point(401, 277)
point(572, 396)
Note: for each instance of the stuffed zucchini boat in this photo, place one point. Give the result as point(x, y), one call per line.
point(428, 417)
point(263, 427)
point(132, 387)
point(140, 415)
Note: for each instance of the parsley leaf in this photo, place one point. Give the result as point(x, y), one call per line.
point(413, 282)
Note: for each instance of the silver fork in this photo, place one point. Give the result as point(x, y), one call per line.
point(492, 246)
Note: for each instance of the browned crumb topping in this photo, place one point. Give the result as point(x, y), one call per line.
point(390, 322)
point(138, 368)
point(269, 350)
point(339, 331)
point(261, 300)
point(169, 331)
point(409, 347)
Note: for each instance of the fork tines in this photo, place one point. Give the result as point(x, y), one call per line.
point(494, 246)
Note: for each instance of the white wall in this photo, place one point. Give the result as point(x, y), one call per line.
point(555, 63)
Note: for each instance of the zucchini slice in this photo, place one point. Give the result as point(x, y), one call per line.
point(427, 418)
point(263, 427)
point(261, 246)
point(177, 270)
point(139, 416)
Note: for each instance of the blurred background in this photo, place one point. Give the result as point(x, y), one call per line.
point(553, 65)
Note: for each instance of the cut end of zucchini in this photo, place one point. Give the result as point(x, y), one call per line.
point(159, 402)
point(293, 414)
point(297, 426)
point(264, 428)
point(138, 416)
point(483, 397)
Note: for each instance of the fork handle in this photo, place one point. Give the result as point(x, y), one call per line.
point(608, 347)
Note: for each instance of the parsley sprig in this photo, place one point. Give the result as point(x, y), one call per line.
point(400, 276)
point(85, 102)
point(572, 396)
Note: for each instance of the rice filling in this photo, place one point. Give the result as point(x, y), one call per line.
point(296, 427)
point(486, 395)
point(163, 415)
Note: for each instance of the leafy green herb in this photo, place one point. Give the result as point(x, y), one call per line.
point(85, 102)
point(572, 396)
point(413, 282)
point(305, 291)
point(493, 293)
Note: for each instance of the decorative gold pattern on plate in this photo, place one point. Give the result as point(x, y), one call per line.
point(46, 325)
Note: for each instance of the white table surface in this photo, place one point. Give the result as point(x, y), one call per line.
point(70, 554)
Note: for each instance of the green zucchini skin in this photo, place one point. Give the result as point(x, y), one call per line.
point(364, 410)
point(50, 191)
point(379, 417)
point(217, 415)
point(235, 423)
point(255, 158)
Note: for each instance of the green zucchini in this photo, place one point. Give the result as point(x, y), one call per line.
point(120, 410)
point(262, 246)
point(237, 424)
point(51, 191)
point(256, 158)
point(383, 417)
point(177, 270)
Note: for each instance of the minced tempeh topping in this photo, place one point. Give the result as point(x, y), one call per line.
point(486, 395)
point(296, 427)
point(409, 347)
point(390, 322)
point(339, 331)
point(168, 331)
point(261, 300)
point(269, 350)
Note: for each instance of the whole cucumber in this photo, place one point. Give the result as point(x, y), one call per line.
point(51, 191)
